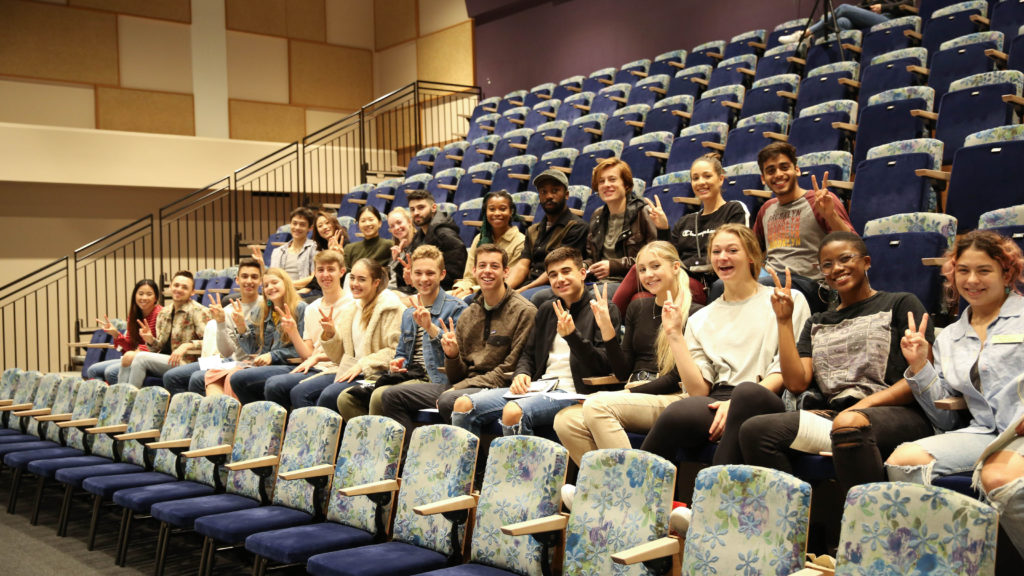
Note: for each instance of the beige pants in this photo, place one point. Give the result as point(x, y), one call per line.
point(349, 406)
point(603, 420)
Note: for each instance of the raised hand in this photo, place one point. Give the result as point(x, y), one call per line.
point(144, 332)
point(914, 345)
point(565, 325)
point(421, 316)
point(286, 322)
point(823, 199)
point(599, 305)
point(601, 269)
point(107, 326)
point(406, 268)
point(237, 316)
point(520, 384)
point(782, 298)
point(327, 323)
point(257, 253)
point(721, 409)
point(216, 309)
point(397, 366)
point(449, 343)
point(657, 213)
point(671, 316)
point(334, 242)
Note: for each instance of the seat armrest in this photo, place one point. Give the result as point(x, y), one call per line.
point(655, 154)
point(482, 181)
point(638, 73)
point(261, 462)
point(78, 423)
point(330, 205)
point(733, 105)
point(786, 94)
point(33, 413)
point(937, 261)
point(516, 102)
point(485, 151)
point(999, 57)
point(515, 145)
point(140, 435)
point(425, 162)
point(473, 223)
point(548, 114)
point(16, 407)
point(467, 502)
point(979, 19)
point(713, 146)
point(924, 114)
point(179, 443)
point(952, 403)
point(543, 96)
point(701, 269)
point(583, 107)
point(845, 126)
point(850, 47)
point(574, 89)
point(680, 65)
point(552, 523)
point(919, 70)
point(102, 346)
point(593, 131)
point(517, 121)
point(525, 177)
point(933, 174)
point(841, 184)
point(660, 548)
point(908, 8)
point(564, 169)
point(451, 187)
point(602, 381)
point(6, 402)
point(776, 136)
point(657, 90)
point(54, 417)
point(218, 450)
point(757, 45)
point(797, 61)
point(378, 487)
point(913, 35)
point(692, 201)
point(606, 81)
point(850, 82)
point(700, 81)
point(634, 123)
point(311, 472)
point(558, 139)
point(682, 114)
point(618, 99)
point(746, 72)
point(757, 193)
point(1013, 100)
point(455, 157)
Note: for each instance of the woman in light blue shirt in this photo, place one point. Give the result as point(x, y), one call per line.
point(980, 358)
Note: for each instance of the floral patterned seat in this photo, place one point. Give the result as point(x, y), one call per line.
point(897, 245)
point(632, 72)
point(21, 426)
point(888, 181)
point(423, 161)
point(1007, 221)
point(751, 42)
point(640, 154)
point(747, 520)
point(439, 465)
point(625, 123)
point(690, 81)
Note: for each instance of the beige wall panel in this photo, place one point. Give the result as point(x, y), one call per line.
point(350, 23)
point(257, 67)
point(260, 16)
point(142, 111)
point(317, 119)
point(306, 20)
point(447, 56)
point(155, 55)
point(394, 22)
point(177, 10)
point(394, 68)
point(57, 43)
point(268, 122)
point(439, 14)
point(48, 104)
point(330, 76)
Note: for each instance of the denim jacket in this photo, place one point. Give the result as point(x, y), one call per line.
point(279, 352)
point(444, 307)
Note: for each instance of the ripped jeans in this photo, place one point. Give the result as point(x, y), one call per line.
point(954, 453)
point(1008, 499)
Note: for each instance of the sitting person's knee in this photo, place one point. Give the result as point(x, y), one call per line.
point(909, 455)
point(511, 414)
point(850, 419)
point(462, 404)
point(1001, 469)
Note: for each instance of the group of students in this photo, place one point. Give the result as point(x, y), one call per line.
point(747, 333)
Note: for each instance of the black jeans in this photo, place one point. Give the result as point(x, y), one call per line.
point(684, 424)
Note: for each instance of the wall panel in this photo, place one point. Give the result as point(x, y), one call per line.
point(144, 111)
point(268, 122)
point(177, 10)
point(47, 104)
point(447, 56)
point(257, 67)
point(330, 76)
point(394, 22)
point(155, 55)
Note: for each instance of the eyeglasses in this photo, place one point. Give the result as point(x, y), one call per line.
point(844, 259)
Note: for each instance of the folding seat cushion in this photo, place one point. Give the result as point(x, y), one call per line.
point(951, 22)
point(826, 50)
point(474, 156)
point(542, 112)
point(887, 118)
point(583, 167)
point(475, 182)
point(986, 174)
point(815, 130)
point(539, 93)
point(670, 114)
point(735, 70)
point(776, 61)
point(974, 104)
point(887, 182)
point(1007, 221)
point(764, 95)
point(668, 63)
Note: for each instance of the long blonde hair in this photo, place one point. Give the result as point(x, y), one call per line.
point(378, 273)
point(680, 296)
point(291, 301)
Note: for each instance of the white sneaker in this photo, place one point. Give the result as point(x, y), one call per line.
point(791, 38)
point(679, 520)
point(568, 493)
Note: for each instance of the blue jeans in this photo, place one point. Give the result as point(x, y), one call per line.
point(307, 393)
point(329, 397)
point(954, 453)
point(1008, 499)
point(177, 379)
point(488, 405)
point(197, 382)
point(281, 389)
point(849, 17)
point(248, 384)
point(106, 370)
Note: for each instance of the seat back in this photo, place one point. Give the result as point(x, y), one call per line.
point(787, 27)
point(179, 422)
point(626, 71)
point(577, 135)
point(683, 83)
point(543, 111)
point(665, 116)
point(889, 70)
point(989, 161)
point(116, 409)
point(763, 95)
point(822, 84)
point(1007, 221)
point(539, 144)
point(887, 184)
point(7, 382)
point(88, 402)
point(63, 403)
point(688, 146)
point(583, 168)
point(826, 50)
point(962, 57)
point(422, 162)
point(710, 108)
point(974, 104)
point(311, 439)
point(567, 87)
point(740, 177)
point(649, 90)
point(619, 126)
point(776, 61)
point(643, 166)
point(472, 157)
point(215, 424)
point(148, 413)
point(569, 111)
point(731, 71)
point(813, 131)
point(511, 119)
point(437, 185)
point(898, 242)
point(748, 138)
point(951, 22)
point(46, 394)
point(506, 178)
point(607, 99)
point(467, 189)
point(747, 517)
point(740, 44)
point(259, 433)
point(439, 464)
point(371, 451)
point(598, 79)
point(539, 93)
point(708, 53)
point(667, 187)
point(887, 118)
point(668, 63)
point(448, 157)
point(838, 164)
point(888, 36)
point(605, 521)
point(482, 126)
point(896, 527)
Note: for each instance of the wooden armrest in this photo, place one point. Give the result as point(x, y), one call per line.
point(485, 151)
point(211, 451)
point(386, 196)
point(702, 269)
point(543, 96)
point(487, 128)
point(276, 244)
point(466, 502)
point(731, 104)
point(515, 145)
point(218, 291)
point(746, 72)
point(757, 45)
point(558, 139)
point(851, 48)
point(551, 523)
point(78, 423)
point(490, 109)
point(1013, 99)
point(154, 433)
point(776, 136)
point(618, 99)
point(638, 73)
point(13, 407)
point(357, 200)
point(425, 162)
point(311, 472)
point(845, 126)
point(574, 89)
point(715, 55)
point(915, 69)
point(251, 463)
point(606, 81)
point(370, 488)
point(564, 169)
point(786, 94)
point(455, 157)
point(482, 181)
point(757, 193)
point(527, 218)
point(548, 114)
point(54, 418)
point(795, 60)
point(952, 403)
point(473, 223)
point(660, 548)
point(924, 114)
point(179, 443)
point(33, 413)
point(700, 81)
point(584, 107)
point(525, 177)
point(516, 102)
point(451, 187)
point(101, 346)
point(654, 154)
point(593, 131)
point(576, 211)
point(682, 114)
point(979, 19)
point(933, 174)
point(713, 146)
point(517, 121)
point(6, 402)
point(680, 65)
point(657, 90)
point(686, 200)
point(634, 123)
point(913, 35)
point(936, 261)
point(841, 184)
point(850, 82)
point(610, 380)
point(997, 55)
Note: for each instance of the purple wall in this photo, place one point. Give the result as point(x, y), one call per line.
point(522, 43)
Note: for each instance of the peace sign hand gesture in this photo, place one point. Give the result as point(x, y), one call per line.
point(823, 199)
point(421, 316)
point(107, 326)
point(216, 309)
point(237, 316)
point(406, 268)
point(914, 345)
point(657, 214)
point(334, 242)
point(287, 323)
point(144, 332)
point(257, 253)
point(449, 343)
point(782, 298)
point(671, 316)
point(327, 323)
point(599, 305)
point(565, 325)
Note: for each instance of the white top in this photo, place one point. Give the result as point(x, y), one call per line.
point(558, 365)
point(312, 330)
point(358, 332)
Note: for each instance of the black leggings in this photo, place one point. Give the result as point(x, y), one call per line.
point(684, 424)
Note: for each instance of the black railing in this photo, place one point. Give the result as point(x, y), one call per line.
point(42, 312)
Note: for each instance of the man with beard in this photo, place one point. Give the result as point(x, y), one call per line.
point(436, 229)
point(559, 227)
point(791, 225)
